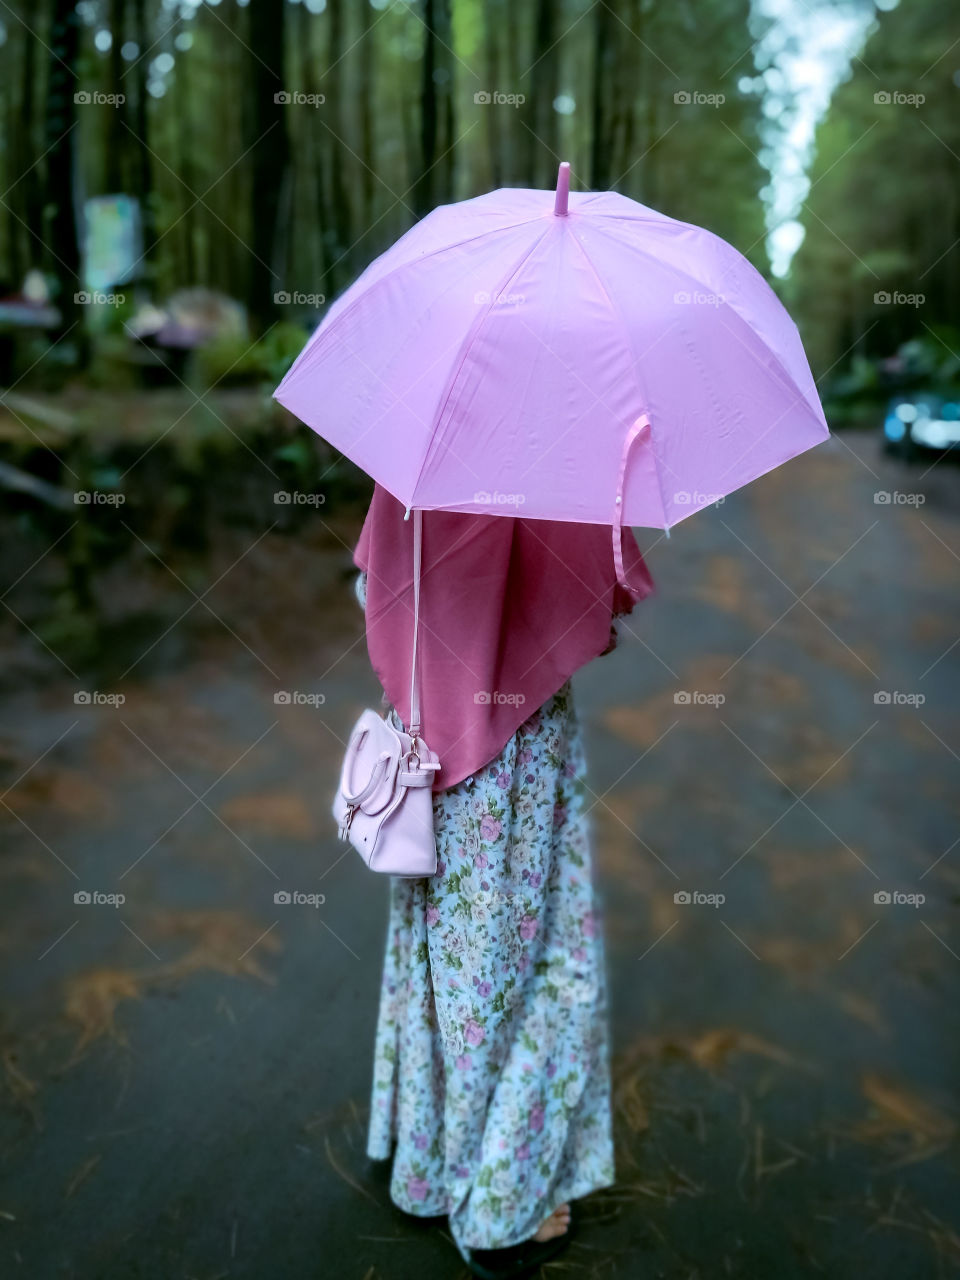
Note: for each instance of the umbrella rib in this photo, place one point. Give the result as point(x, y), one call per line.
point(465, 352)
point(311, 348)
point(679, 271)
point(641, 388)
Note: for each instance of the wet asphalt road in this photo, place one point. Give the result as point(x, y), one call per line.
point(187, 1074)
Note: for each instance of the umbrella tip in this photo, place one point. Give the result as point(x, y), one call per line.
point(563, 190)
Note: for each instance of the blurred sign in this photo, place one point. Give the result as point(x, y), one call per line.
point(113, 243)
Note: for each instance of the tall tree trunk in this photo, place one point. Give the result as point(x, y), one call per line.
point(181, 105)
point(139, 173)
point(270, 153)
point(25, 197)
point(338, 205)
point(629, 90)
point(515, 157)
point(643, 183)
point(62, 194)
point(311, 176)
point(144, 177)
point(542, 140)
point(493, 20)
point(435, 181)
point(411, 148)
point(447, 159)
point(116, 139)
point(368, 50)
point(10, 269)
point(604, 55)
point(423, 186)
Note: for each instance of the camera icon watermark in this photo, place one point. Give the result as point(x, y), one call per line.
point(894, 98)
point(497, 697)
point(294, 698)
point(97, 498)
point(895, 498)
point(297, 898)
point(696, 698)
point(93, 98)
point(884, 298)
point(284, 298)
point(294, 98)
point(484, 498)
point(684, 498)
point(94, 698)
point(696, 898)
point(694, 98)
point(297, 498)
point(488, 98)
point(697, 298)
point(894, 898)
point(483, 298)
point(97, 298)
point(96, 898)
point(894, 698)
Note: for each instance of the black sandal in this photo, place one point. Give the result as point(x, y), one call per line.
point(519, 1260)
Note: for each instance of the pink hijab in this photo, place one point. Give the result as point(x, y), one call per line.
point(509, 610)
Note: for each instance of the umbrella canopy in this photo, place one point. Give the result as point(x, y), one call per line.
point(565, 357)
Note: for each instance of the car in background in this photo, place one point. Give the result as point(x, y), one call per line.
point(920, 422)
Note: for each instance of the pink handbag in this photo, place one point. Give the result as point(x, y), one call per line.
point(384, 804)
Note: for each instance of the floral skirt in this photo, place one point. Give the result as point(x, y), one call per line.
point(491, 1071)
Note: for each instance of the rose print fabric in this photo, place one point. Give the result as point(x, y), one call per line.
point(491, 1076)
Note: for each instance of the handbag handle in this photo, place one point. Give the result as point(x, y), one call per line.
point(377, 774)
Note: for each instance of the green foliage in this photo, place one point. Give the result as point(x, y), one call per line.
point(233, 358)
point(278, 348)
point(881, 216)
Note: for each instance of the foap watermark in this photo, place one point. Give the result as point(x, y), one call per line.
point(285, 298)
point(697, 298)
point(97, 498)
point(297, 898)
point(492, 898)
point(895, 698)
point(94, 698)
point(496, 499)
point(97, 298)
point(497, 697)
point(895, 898)
point(484, 299)
point(297, 498)
point(294, 698)
point(696, 898)
point(886, 298)
point(694, 98)
point(896, 98)
point(696, 698)
point(97, 898)
point(894, 498)
point(495, 98)
point(697, 499)
point(294, 98)
point(94, 98)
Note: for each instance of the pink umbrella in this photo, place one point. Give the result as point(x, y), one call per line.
point(579, 358)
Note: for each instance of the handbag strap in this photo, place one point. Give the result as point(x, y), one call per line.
point(414, 683)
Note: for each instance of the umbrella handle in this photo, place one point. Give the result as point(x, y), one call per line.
point(641, 426)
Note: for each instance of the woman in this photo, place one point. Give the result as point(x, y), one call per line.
point(491, 1078)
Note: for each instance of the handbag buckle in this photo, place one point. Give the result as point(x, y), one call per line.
point(344, 831)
